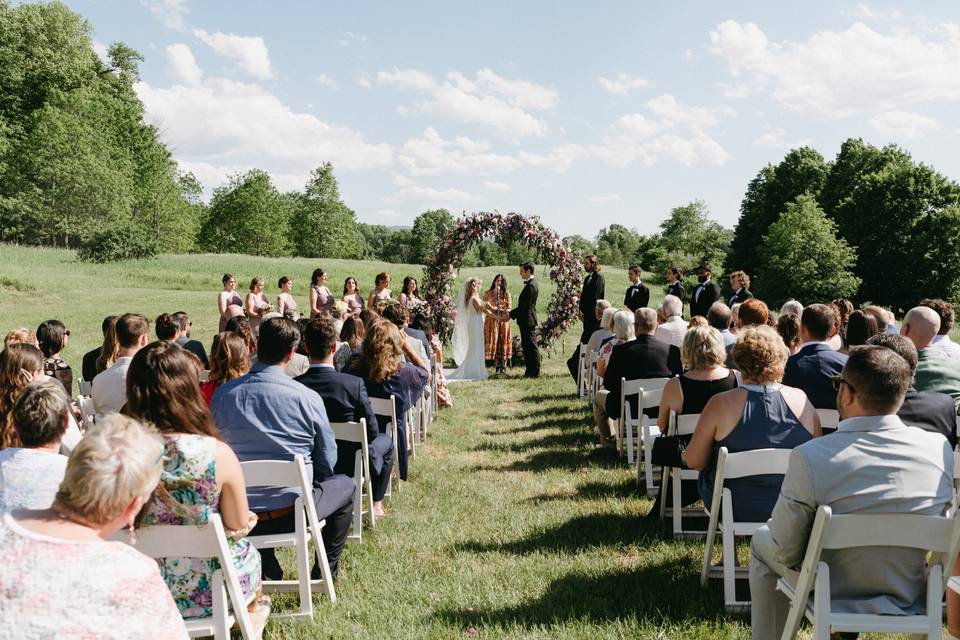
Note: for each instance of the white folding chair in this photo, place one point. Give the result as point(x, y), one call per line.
point(829, 419)
point(937, 535)
point(205, 375)
point(85, 388)
point(356, 432)
point(87, 412)
point(731, 466)
point(206, 541)
point(648, 392)
point(292, 474)
point(681, 425)
point(413, 420)
point(388, 407)
point(581, 374)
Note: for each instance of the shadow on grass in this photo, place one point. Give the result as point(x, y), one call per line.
point(626, 488)
point(559, 441)
point(573, 460)
point(659, 593)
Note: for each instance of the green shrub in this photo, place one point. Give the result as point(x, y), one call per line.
point(120, 243)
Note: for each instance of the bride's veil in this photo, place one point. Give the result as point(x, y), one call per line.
point(460, 340)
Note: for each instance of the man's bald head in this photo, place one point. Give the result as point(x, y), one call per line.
point(921, 325)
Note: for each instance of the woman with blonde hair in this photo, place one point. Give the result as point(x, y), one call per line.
point(51, 554)
point(229, 359)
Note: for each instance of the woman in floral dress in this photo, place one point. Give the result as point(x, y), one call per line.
point(496, 333)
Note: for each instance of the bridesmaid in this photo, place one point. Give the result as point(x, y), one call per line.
point(286, 304)
point(496, 333)
point(351, 295)
point(256, 304)
point(410, 293)
point(321, 300)
point(381, 289)
point(229, 303)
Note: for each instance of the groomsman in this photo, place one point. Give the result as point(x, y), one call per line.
point(675, 285)
point(593, 290)
point(705, 293)
point(638, 295)
point(526, 316)
point(740, 285)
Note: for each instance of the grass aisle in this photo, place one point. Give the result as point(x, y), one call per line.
point(515, 525)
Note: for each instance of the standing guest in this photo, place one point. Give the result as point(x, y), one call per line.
point(813, 367)
point(788, 326)
point(623, 331)
point(860, 328)
point(286, 303)
point(256, 305)
point(51, 554)
point(705, 293)
point(525, 314)
point(345, 398)
point(201, 476)
point(110, 348)
point(637, 294)
point(384, 373)
point(166, 328)
point(675, 285)
point(444, 399)
point(410, 293)
point(229, 303)
point(193, 346)
point(229, 360)
point(31, 471)
point(381, 289)
point(52, 338)
point(872, 464)
point(935, 370)
point(110, 386)
point(321, 300)
point(352, 333)
point(719, 317)
point(352, 296)
point(265, 415)
point(792, 306)
point(947, 315)
point(497, 345)
point(20, 364)
point(761, 414)
point(740, 286)
point(672, 327)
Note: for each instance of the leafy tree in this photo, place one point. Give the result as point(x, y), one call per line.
point(429, 230)
point(248, 215)
point(802, 257)
point(616, 245)
point(579, 245)
point(375, 237)
point(323, 226)
point(688, 237)
point(399, 247)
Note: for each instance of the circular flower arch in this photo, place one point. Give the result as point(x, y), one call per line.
point(565, 269)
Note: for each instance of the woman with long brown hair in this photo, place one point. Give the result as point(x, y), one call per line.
point(228, 360)
point(111, 347)
point(201, 475)
point(20, 364)
point(496, 330)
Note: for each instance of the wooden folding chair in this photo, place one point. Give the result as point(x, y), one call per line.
point(356, 432)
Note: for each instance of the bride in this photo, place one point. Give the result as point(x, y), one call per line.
point(468, 333)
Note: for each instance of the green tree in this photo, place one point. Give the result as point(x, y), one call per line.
point(688, 237)
point(802, 257)
point(616, 245)
point(248, 215)
point(375, 237)
point(429, 230)
point(323, 226)
point(579, 245)
point(399, 247)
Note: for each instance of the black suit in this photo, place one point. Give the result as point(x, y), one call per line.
point(593, 290)
point(812, 369)
point(89, 368)
point(345, 398)
point(740, 296)
point(645, 357)
point(636, 297)
point(526, 316)
point(676, 289)
point(704, 295)
point(196, 348)
point(931, 411)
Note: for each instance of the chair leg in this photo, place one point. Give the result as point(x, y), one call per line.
point(677, 489)
point(221, 620)
point(629, 430)
point(729, 560)
point(303, 559)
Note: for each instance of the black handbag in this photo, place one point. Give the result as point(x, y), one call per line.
point(667, 450)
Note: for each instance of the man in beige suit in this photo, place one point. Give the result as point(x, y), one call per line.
point(872, 464)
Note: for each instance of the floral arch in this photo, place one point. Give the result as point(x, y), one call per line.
point(565, 269)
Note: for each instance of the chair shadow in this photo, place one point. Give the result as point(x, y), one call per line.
point(573, 460)
point(626, 488)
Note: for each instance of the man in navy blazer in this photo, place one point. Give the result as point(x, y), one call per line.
point(345, 399)
point(814, 366)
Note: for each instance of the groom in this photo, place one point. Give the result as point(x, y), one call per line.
point(526, 316)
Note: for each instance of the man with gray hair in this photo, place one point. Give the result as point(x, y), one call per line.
point(673, 327)
point(935, 371)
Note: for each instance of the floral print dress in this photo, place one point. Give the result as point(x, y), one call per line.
point(188, 494)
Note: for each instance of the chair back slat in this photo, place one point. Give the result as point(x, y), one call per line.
point(932, 533)
point(686, 423)
point(350, 431)
point(273, 473)
point(86, 388)
point(384, 406)
point(829, 418)
point(756, 462)
point(651, 399)
point(168, 541)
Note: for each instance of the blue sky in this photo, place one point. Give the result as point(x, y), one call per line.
point(585, 114)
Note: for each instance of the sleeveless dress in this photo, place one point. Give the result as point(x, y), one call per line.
point(189, 478)
point(324, 300)
point(260, 307)
point(235, 301)
point(767, 422)
point(696, 393)
point(496, 333)
point(289, 306)
point(355, 304)
point(468, 329)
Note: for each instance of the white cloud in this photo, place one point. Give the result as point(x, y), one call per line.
point(496, 186)
point(249, 52)
point(169, 12)
point(431, 155)
point(350, 37)
point(211, 176)
point(863, 11)
point(772, 137)
point(488, 99)
point(326, 81)
point(605, 199)
point(903, 125)
point(558, 159)
point(182, 65)
point(429, 197)
point(734, 90)
point(101, 50)
point(364, 81)
point(622, 84)
point(835, 74)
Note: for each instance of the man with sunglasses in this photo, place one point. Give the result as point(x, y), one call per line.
point(874, 463)
point(193, 346)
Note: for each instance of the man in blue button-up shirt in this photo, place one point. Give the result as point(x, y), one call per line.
point(265, 415)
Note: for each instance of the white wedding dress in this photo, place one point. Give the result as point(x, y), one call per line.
point(468, 345)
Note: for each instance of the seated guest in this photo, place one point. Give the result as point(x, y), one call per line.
point(193, 346)
point(381, 366)
point(813, 367)
point(398, 315)
point(368, 316)
point(644, 357)
point(265, 415)
point(788, 326)
point(935, 370)
point(31, 472)
point(835, 339)
point(697, 321)
point(52, 338)
point(860, 328)
point(872, 464)
point(20, 336)
point(166, 328)
point(201, 476)
point(109, 350)
point(20, 364)
point(444, 399)
point(928, 410)
point(752, 313)
point(623, 331)
point(240, 325)
point(947, 315)
point(792, 306)
point(345, 398)
point(885, 318)
point(719, 317)
point(70, 582)
point(761, 414)
point(843, 308)
point(229, 360)
point(352, 333)
point(110, 386)
point(299, 363)
point(605, 332)
point(672, 328)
